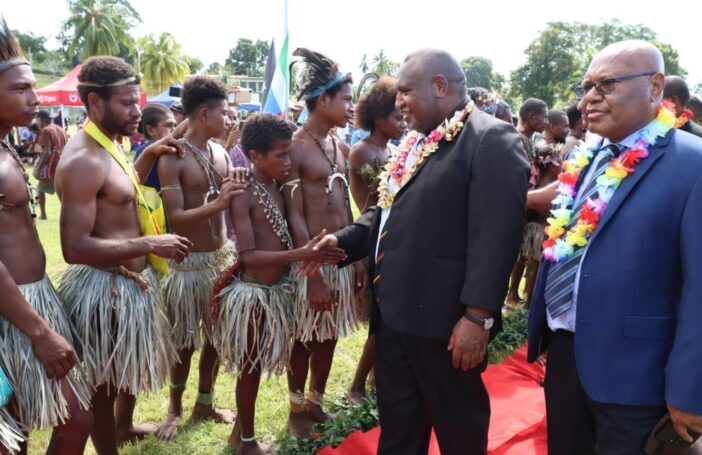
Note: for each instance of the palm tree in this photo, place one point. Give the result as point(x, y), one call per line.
point(99, 27)
point(364, 64)
point(162, 61)
point(384, 66)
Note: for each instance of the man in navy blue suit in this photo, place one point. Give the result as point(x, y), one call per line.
point(622, 316)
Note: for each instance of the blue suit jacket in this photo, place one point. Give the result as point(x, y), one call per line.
point(638, 335)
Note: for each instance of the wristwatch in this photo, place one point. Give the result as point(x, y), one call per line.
point(484, 323)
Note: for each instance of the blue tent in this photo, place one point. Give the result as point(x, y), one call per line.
point(255, 107)
point(164, 98)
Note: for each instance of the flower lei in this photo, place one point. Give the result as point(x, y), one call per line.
point(396, 169)
point(560, 243)
point(683, 118)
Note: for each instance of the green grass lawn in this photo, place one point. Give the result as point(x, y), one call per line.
point(44, 79)
point(207, 438)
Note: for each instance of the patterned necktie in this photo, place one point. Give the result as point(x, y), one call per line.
point(382, 239)
point(378, 261)
point(560, 281)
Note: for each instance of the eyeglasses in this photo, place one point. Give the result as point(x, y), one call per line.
point(605, 86)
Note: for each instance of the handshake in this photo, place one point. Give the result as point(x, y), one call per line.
point(321, 249)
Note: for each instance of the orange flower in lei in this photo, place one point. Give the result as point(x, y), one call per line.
point(683, 118)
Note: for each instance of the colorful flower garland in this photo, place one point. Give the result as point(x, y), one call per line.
point(561, 244)
point(683, 118)
point(395, 168)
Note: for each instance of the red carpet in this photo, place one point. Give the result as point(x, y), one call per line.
point(518, 418)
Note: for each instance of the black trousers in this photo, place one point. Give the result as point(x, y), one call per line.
point(578, 425)
point(418, 389)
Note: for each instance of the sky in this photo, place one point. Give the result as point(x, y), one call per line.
point(345, 31)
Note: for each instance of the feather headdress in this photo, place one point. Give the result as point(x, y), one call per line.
point(320, 74)
point(10, 50)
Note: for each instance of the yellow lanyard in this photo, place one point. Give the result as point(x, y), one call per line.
point(105, 142)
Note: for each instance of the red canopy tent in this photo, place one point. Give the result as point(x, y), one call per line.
point(64, 91)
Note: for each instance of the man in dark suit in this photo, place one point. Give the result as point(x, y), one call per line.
point(622, 316)
point(443, 252)
point(677, 92)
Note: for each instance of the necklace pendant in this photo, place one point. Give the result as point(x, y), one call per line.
point(211, 194)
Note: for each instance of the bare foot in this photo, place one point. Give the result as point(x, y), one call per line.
point(253, 448)
point(207, 412)
point(135, 434)
point(316, 413)
point(299, 424)
point(248, 447)
point(168, 430)
point(356, 397)
point(512, 299)
point(42, 217)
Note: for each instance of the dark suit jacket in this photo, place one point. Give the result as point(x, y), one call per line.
point(638, 328)
point(453, 233)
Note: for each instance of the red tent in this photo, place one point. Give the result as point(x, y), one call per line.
point(64, 92)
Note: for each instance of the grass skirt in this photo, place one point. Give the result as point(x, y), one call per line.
point(263, 315)
point(123, 332)
point(532, 239)
point(188, 289)
point(10, 436)
point(40, 401)
point(313, 325)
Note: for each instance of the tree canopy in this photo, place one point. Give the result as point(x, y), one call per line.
point(559, 56)
point(100, 27)
point(248, 57)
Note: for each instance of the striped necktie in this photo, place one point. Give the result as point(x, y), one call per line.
point(560, 281)
point(382, 239)
point(378, 262)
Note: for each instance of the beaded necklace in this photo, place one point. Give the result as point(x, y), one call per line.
point(30, 189)
point(271, 210)
point(208, 167)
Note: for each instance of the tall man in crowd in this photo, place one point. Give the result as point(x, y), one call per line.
point(37, 355)
point(556, 131)
point(533, 118)
point(316, 199)
point(435, 229)
point(110, 294)
point(620, 313)
point(49, 145)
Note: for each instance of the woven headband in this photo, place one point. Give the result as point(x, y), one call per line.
point(118, 83)
point(323, 88)
point(13, 62)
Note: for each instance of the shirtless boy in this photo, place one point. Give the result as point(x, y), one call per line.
point(317, 199)
point(196, 190)
point(255, 300)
